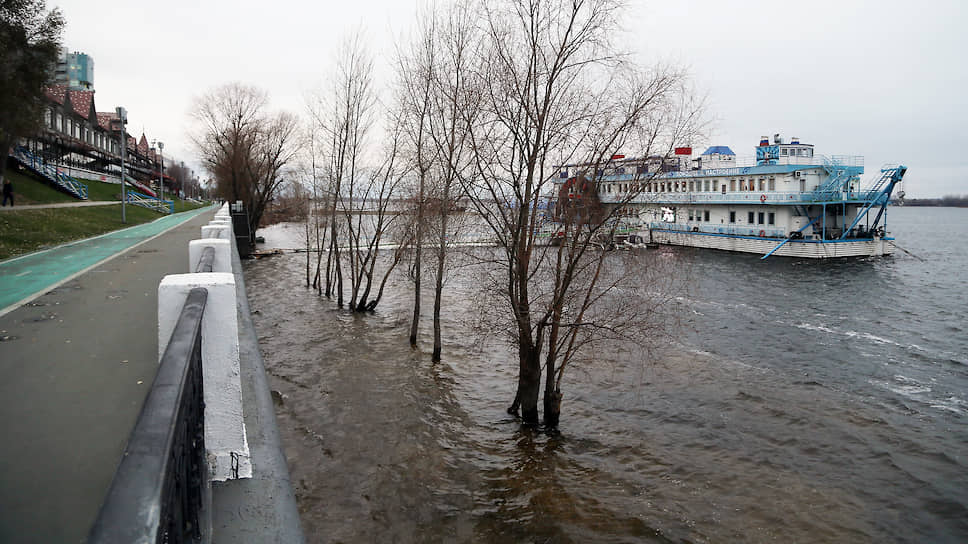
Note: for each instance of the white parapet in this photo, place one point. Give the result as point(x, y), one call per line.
point(220, 231)
point(223, 253)
point(226, 446)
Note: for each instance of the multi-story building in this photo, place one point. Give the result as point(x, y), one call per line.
point(75, 70)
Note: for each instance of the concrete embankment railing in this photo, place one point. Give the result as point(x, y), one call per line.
point(246, 494)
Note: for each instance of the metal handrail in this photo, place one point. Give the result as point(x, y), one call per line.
point(150, 202)
point(207, 260)
point(156, 494)
point(51, 173)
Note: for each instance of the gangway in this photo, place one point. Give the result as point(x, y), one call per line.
point(879, 195)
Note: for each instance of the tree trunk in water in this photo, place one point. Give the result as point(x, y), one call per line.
point(415, 323)
point(529, 386)
point(552, 408)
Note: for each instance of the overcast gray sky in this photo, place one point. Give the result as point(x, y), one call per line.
point(886, 80)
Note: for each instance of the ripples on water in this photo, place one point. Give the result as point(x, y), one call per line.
point(804, 402)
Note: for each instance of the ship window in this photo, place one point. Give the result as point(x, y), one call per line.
point(762, 184)
point(809, 152)
point(772, 184)
point(705, 215)
point(749, 216)
point(732, 185)
point(759, 218)
point(732, 217)
point(724, 188)
point(690, 214)
point(771, 218)
point(783, 152)
point(564, 174)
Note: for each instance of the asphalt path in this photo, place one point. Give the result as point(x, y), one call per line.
point(78, 353)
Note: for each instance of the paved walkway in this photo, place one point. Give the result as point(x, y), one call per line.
point(81, 204)
point(76, 363)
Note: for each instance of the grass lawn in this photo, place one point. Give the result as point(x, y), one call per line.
point(25, 231)
point(27, 190)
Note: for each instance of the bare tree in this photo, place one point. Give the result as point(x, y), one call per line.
point(552, 91)
point(244, 146)
point(361, 184)
point(415, 74)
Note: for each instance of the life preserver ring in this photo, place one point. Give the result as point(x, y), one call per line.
point(762, 198)
point(762, 234)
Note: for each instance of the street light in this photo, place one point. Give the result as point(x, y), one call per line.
point(123, 120)
point(161, 174)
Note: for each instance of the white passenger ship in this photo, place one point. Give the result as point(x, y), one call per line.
point(789, 202)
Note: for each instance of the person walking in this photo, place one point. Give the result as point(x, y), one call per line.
point(7, 192)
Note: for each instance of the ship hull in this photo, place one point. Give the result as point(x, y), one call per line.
point(806, 249)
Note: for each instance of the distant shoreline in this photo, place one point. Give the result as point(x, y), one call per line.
point(947, 202)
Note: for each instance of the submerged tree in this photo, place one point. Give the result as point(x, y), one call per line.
point(30, 39)
point(244, 146)
point(553, 91)
point(360, 183)
point(435, 106)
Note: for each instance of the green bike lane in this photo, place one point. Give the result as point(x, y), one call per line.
point(24, 278)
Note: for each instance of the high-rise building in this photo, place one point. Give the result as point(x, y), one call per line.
point(76, 70)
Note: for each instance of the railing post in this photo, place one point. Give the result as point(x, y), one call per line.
point(225, 440)
point(223, 253)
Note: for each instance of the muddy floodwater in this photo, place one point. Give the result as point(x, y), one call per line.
point(800, 402)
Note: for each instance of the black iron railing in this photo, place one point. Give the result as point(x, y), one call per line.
point(207, 260)
point(156, 494)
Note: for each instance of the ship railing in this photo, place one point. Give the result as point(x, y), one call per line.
point(736, 197)
point(754, 231)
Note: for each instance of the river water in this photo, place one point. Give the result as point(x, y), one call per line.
point(799, 402)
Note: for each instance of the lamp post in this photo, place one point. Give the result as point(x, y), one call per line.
point(161, 174)
point(122, 119)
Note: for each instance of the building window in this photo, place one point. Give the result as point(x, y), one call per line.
point(732, 217)
point(759, 218)
point(771, 218)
